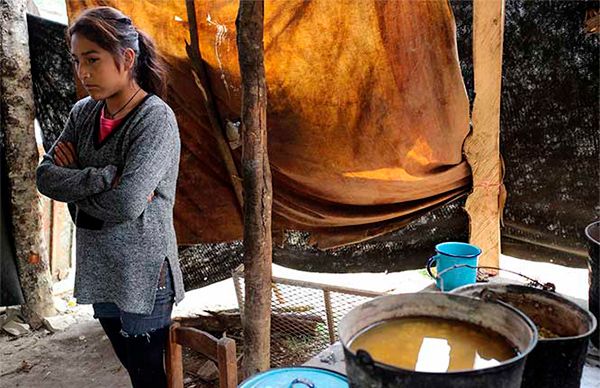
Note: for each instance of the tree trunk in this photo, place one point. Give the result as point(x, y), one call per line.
point(257, 188)
point(22, 159)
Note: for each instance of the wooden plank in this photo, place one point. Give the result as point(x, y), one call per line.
point(216, 322)
point(198, 341)
point(46, 210)
point(221, 351)
point(258, 192)
point(174, 359)
point(303, 324)
point(62, 236)
point(227, 363)
point(482, 147)
point(326, 287)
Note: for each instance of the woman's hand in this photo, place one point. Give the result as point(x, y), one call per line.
point(65, 155)
point(116, 181)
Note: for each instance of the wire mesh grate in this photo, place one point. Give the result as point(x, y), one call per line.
point(304, 316)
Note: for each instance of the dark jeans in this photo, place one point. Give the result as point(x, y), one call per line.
point(140, 340)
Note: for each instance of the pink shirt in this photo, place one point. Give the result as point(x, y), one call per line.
point(107, 126)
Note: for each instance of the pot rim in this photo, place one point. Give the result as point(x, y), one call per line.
point(503, 365)
point(438, 248)
point(588, 230)
point(532, 290)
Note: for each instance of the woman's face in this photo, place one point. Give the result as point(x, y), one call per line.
point(97, 70)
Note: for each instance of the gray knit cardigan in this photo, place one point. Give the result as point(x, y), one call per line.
point(122, 239)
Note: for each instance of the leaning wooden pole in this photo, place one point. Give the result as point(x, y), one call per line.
point(22, 159)
point(258, 195)
point(482, 148)
point(203, 83)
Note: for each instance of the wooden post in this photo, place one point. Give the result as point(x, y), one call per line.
point(174, 359)
point(227, 363)
point(329, 315)
point(258, 195)
point(22, 159)
point(482, 147)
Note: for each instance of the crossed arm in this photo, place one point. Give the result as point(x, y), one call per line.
point(59, 177)
point(152, 151)
point(100, 192)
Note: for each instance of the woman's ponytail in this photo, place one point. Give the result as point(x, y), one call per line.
point(150, 71)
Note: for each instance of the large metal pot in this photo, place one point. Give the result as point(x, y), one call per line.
point(555, 362)
point(514, 326)
point(592, 232)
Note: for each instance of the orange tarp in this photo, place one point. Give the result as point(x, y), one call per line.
point(367, 112)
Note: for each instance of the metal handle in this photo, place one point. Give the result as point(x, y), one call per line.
point(364, 358)
point(441, 279)
point(532, 282)
point(456, 266)
point(430, 262)
point(300, 380)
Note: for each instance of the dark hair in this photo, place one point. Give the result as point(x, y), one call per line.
point(113, 31)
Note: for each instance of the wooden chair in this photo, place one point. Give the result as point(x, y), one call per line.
point(221, 351)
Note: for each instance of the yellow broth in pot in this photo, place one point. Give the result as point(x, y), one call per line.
point(427, 344)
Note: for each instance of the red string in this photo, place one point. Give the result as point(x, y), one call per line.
point(488, 185)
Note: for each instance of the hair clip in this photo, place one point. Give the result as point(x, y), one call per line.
point(124, 20)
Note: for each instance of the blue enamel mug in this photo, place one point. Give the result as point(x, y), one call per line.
point(450, 254)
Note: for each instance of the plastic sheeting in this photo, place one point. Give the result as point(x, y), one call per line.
point(366, 119)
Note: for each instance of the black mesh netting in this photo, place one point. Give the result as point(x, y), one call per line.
point(549, 139)
point(204, 264)
point(407, 248)
point(549, 136)
point(53, 84)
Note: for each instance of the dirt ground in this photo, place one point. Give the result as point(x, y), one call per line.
point(81, 356)
point(78, 357)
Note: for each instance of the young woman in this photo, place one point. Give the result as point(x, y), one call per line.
point(116, 165)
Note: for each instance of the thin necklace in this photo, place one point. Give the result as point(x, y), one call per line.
point(112, 115)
